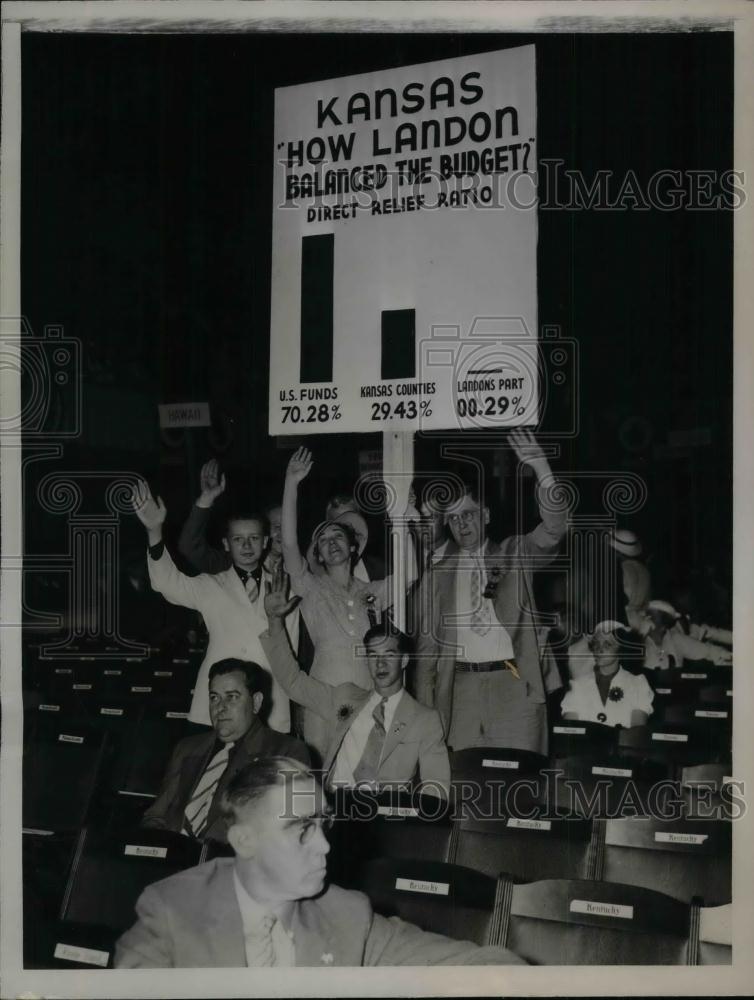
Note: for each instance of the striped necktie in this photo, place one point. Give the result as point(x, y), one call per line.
point(197, 810)
point(369, 765)
point(480, 622)
point(260, 947)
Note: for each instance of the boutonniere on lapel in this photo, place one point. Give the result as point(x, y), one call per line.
point(615, 694)
point(370, 603)
point(327, 958)
point(493, 579)
point(345, 712)
point(397, 727)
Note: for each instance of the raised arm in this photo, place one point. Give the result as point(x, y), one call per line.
point(554, 515)
point(299, 686)
point(299, 466)
point(175, 586)
point(192, 543)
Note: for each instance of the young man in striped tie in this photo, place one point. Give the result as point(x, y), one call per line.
point(202, 766)
point(381, 736)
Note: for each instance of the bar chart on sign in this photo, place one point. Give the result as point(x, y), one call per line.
point(404, 281)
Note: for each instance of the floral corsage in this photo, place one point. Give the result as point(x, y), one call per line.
point(615, 694)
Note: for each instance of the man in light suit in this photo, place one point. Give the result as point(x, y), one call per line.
point(381, 736)
point(202, 766)
point(480, 660)
point(266, 906)
point(230, 602)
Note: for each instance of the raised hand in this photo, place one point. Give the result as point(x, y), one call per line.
point(299, 465)
point(150, 512)
point(527, 448)
point(212, 483)
point(276, 602)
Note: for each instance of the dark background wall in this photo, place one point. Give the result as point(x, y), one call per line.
point(147, 213)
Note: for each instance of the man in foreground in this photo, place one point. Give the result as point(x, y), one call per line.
point(266, 906)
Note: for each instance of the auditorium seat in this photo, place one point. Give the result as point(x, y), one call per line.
point(716, 694)
point(681, 858)
point(577, 922)
point(710, 723)
point(606, 783)
point(442, 898)
point(62, 770)
point(525, 849)
point(125, 864)
point(158, 731)
point(495, 781)
point(671, 744)
point(106, 878)
point(570, 737)
point(715, 935)
point(386, 824)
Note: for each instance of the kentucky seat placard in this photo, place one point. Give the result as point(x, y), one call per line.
point(404, 249)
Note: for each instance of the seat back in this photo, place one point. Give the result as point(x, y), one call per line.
point(386, 824)
point(62, 770)
point(681, 858)
point(438, 897)
point(606, 783)
point(526, 849)
point(570, 738)
point(110, 872)
point(576, 922)
point(156, 735)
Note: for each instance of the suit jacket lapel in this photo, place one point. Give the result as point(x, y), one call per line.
point(343, 724)
point(315, 937)
point(224, 927)
point(402, 719)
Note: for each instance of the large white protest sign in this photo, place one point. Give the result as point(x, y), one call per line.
point(404, 249)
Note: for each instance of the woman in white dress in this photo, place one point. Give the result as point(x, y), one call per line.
point(609, 693)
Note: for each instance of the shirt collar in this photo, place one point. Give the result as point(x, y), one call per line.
point(244, 574)
point(252, 911)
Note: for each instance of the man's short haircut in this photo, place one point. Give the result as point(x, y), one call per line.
point(256, 678)
point(377, 633)
point(462, 490)
point(255, 779)
point(243, 515)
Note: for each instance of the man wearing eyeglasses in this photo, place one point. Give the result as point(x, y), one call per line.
point(480, 660)
point(268, 906)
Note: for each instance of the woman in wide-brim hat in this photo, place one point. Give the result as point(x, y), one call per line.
point(337, 607)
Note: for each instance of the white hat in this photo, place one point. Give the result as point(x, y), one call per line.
point(625, 542)
point(664, 607)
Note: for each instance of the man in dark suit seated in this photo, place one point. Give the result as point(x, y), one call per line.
point(268, 906)
point(202, 766)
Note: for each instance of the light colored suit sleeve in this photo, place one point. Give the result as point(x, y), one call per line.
point(392, 941)
point(176, 587)
point(693, 649)
point(148, 944)
point(547, 535)
point(299, 686)
point(427, 651)
point(434, 764)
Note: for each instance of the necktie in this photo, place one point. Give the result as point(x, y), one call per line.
point(195, 817)
point(252, 588)
point(479, 618)
point(260, 948)
point(369, 765)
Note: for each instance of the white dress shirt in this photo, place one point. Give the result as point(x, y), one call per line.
point(631, 692)
point(496, 644)
point(251, 913)
point(355, 740)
